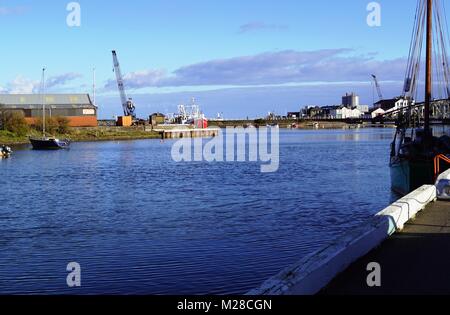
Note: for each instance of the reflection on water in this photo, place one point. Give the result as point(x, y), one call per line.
point(139, 223)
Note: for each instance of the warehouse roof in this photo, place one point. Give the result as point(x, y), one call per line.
point(34, 100)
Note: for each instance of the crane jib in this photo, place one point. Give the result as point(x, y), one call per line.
point(127, 103)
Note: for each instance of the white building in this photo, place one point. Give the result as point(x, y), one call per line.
point(377, 112)
point(363, 108)
point(392, 105)
point(352, 100)
point(342, 112)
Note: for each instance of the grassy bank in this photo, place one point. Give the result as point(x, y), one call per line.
point(85, 134)
point(111, 133)
point(10, 138)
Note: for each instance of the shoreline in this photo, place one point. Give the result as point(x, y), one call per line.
point(72, 140)
point(300, 124)
point(100, 134)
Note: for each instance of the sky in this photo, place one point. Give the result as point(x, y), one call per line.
point(242, 58)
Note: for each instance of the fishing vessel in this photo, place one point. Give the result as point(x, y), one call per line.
point(191, 115)
point(44, 142)
point(417, 156)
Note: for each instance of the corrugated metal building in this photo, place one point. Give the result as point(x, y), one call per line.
point(77, 108)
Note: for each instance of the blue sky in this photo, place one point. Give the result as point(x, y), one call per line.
point(242, 58)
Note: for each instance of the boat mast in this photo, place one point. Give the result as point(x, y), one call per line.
point(428, 84)
point(93, 85)
point(43, 101)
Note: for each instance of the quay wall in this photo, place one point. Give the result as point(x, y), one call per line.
point(316, 271)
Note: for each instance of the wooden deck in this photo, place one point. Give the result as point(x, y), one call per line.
point(414, 261)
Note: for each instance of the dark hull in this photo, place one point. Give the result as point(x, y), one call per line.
point(48, 144)
point(407, 175)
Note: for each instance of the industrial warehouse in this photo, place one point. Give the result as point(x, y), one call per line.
point(77, 108)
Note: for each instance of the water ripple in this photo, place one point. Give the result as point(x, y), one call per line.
point(139, 223)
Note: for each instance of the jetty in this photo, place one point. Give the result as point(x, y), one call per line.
point(178, 133)
point(413, 261)
point(408, 241)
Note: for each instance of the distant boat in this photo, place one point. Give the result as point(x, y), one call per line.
point(5, 152)
point(44, 142)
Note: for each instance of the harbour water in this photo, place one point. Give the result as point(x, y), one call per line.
point(139, 223)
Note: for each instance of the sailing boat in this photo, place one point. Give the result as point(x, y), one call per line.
point(46, 143)
point(417, 156)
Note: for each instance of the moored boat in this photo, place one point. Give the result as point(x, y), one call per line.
point(417, 156)
point(5, 152)
point(44, 142)
point(414, 165)
point(49, 144)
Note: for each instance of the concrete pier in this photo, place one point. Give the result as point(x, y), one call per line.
point(410, 240)
point(415, 260)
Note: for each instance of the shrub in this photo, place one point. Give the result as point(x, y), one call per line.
point(14, 121)
point(63, 125)
point(259, 122)
point(53, 125)
point(37, 124)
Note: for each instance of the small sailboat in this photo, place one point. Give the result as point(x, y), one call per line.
point(44, 142)
point(417, 155)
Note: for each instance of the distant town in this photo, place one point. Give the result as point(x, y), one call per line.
point(350, 108)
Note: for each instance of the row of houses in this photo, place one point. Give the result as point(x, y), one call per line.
point(351, 109)
point(336, 112)
point(390, 105)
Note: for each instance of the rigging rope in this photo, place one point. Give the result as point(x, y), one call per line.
point(441, 43)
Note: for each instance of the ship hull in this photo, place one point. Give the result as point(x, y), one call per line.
point(407, 176)
point(49, 144)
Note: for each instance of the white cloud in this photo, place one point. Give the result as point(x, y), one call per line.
point(272, 68)
point(23, 85)
point(140, 79)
